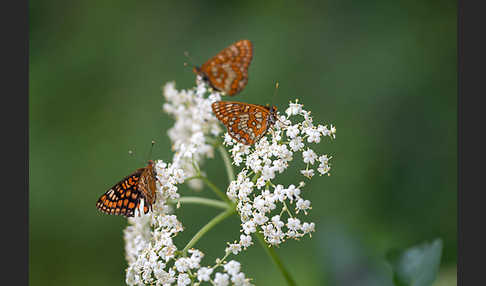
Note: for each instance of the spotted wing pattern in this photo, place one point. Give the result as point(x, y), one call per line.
point(246, 123)
point(228, 70)
point(125, 197)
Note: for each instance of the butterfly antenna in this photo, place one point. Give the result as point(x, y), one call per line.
point(274, 95)
point(150, 151)
point(273, 99)
point(276, 90)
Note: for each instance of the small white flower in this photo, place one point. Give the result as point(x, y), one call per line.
point(333, 131)
point(237, 160)
point(204, 273)
point(323, 159)
point(308, 173)
point(277, 222)
point(183, 279)
point(245, 210)
point(293, 131)
point(232, 267)
point(302, 205)
point(259, 204)
point(239, 279)
point(249, 227)
point(296, 144)
point(159, 270)
point(293, 224)
point(323, 169)
point(182, 264)
point(132, 278)
point(260, 218)
point(234, 248)
point(308, 227)
point(195, 258)
point(294, 109)
point(201, 90)
point(221, 279)
point(279, 165)
point(228, 140)
point(147, 273)
point(166, 278)
point(280, 193)
point(268, 173)
point(245, 240)
point(314, 136)
point(309, 156)
point(292, 192)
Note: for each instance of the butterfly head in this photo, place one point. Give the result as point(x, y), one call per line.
point(272, 116)
point(151, 165)
point(197, 70)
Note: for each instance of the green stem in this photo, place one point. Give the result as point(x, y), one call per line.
point(273, 255)
point(201, 201)
point(255, 177)
point(227, 163)
point(217, 219)
point(215, 189)
point(191, 178)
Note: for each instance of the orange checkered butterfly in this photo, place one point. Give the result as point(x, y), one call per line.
point(125, 196)
point(228, 70)
point(246, 123)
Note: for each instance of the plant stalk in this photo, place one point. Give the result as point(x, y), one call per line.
point(201, 201)
point(227, 163)
point(217, 219)
point(273, 255)
point(215, 189)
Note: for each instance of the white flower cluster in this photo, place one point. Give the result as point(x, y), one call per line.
point(153, 258)
point(194, 126)
point(262, 205)
point(159, 262)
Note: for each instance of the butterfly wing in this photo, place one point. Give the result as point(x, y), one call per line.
point(124, 197)
point(228, 70)
point(246, 123)
point(147, 186)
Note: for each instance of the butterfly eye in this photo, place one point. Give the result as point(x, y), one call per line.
point(204, 77)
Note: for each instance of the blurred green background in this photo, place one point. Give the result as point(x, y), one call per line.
point(383, 72)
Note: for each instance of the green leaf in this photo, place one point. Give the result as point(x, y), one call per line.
point(417, 265)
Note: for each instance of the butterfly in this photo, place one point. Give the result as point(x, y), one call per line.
point(246, 123)
point(125, 196)
point(228, 70)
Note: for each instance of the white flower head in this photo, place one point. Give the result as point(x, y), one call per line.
point(195, 125)
point(204, 273)
point(263, 163)
point(183, 279)
point(232, 267)
point(221, 279)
